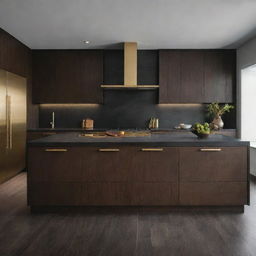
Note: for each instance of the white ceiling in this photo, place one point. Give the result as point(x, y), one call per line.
point(154, 24)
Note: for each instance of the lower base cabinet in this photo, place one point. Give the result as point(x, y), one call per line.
point(96, 194)
point(213, 193)
point(186, 176)
point(55, 193)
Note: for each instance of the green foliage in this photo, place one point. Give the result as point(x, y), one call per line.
point(202, 128)
point(214, 109)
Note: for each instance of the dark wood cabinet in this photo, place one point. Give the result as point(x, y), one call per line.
point(55, 193)
point(169, 76)
point(213, 176)
point(106, 193)
point(219, 76)
point(155, 166)
point(132, 175)
point(154, 193)
point(192, 77)
point(67, 76)
point(196, 76)
point(202, 164)
point(107, 176)
point(55, 164)
point(213, 193)
point(104, 165)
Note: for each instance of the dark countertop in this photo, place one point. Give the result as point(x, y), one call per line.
point(168, 139)
point(60, 130)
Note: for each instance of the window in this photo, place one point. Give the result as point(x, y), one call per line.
point(248, 104)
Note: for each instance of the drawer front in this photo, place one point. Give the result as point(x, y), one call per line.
point(54, 193)
point(213, 164)
point(154, 194)
point(105, 194)
point(130, 194)
point(106, 164)
point(213, 193)
point(54, 164)
point(155, 165)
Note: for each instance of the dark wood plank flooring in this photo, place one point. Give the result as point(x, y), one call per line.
point(125, 232)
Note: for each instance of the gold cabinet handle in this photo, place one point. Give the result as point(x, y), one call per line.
point(152, 149)
point(56, 150)
point(7, 122)
point(109, 150)
point(210, 149)
point(10, 121)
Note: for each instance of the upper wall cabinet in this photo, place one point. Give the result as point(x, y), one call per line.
point(196, 76)
point(67, 76)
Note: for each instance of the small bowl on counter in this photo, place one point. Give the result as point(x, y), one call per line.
point(183, 126)
point(202, 131)
point(200, 135)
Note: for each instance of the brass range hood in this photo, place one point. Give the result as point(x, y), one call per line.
point(130, 70)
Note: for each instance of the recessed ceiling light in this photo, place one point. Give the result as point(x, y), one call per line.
point(86, 42)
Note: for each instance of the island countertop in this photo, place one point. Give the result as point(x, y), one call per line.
point(169, 139)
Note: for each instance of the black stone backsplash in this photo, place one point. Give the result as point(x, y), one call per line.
point(126, 109)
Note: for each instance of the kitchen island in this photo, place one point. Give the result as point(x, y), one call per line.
point(160, 169)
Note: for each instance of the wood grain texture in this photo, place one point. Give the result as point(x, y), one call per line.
point(67, 76)
point(155, 166)
point(55, 193)
point(154, 194)
point(197, 76)
point(169, 76)
point(105, 193)
point(107, 166)
point(219, 76)
point(54, 166)
point(213, 193)
point(124, 232)
point(192, 76)
point(230, 164)
point(130, 176)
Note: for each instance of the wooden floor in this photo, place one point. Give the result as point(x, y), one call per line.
point(131, 232)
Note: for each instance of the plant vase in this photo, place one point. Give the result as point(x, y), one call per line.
point(217, 123)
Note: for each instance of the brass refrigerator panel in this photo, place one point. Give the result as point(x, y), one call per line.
point(3, 131)
point(16, 121)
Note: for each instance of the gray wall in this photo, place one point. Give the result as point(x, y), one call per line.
point(246, 56)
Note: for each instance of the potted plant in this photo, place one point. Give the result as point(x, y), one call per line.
point(215, 110)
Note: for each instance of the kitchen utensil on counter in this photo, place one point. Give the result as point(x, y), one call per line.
point(87, 124)
point(52, 123)
point(183, 126)
point(153, 123)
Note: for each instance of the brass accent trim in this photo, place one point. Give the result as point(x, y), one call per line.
point(10, 120)
point(130, 64)
point(7, 120)
point(109, 150)
point(56, 150)
point(210, 149)
point(152, 149)
point(8, 123)
point(128, 86)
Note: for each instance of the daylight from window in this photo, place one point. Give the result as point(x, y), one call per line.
point(248, 104)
